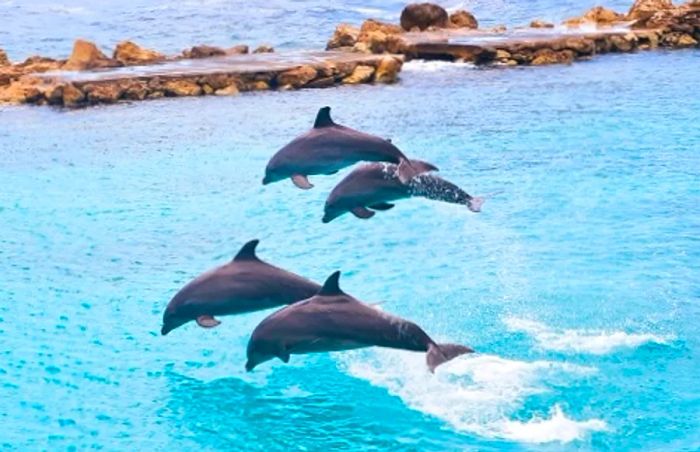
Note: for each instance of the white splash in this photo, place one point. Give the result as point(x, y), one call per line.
point(595, 342)
point(434, 66)
point(475, 394)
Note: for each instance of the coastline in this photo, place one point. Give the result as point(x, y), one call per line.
point(372, 53)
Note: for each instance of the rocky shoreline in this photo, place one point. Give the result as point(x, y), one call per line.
point(426, 31)
point(371, 53)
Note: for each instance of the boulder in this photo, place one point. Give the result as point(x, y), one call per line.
point(203, 51)
point(230, 90)
point(344, 36)
point(264, 49)
point(375, 25)
point(423, 15)
point(37, 63)
point(220, 81)
point(72, 96)
point(103, 93)
point(601, 15)
point(463, 19)
point(241, 49)
point(21, 91)
point(502, 55)
point(597, 15)
point(361, 74)
point(624, 43)
point(134, 89)
point(297, 77)
point(377, 41)
point(86, 55)
point(549, 56)
point(676, 39)
point(323, 82)
point(540, 24)
point(9, 74)
point(582, 46)
point(4, 61)
point(644, 9)
point(184, 87)
point(387, 70)
point(131, 54)
point(257, 85)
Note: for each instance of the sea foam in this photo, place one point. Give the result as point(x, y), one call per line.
point(595, 342)
point(477, 393)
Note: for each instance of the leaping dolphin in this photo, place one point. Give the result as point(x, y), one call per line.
point(243, 285)
point(329, 147)
point(374, 185)
point(332, 321)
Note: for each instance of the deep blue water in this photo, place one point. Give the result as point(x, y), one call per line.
point(578, 285)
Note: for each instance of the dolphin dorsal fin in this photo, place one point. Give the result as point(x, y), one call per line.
point(323, 118)
point(247, 252)
point(331, 287)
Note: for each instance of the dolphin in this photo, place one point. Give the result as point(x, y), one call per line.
point(332, 321)
point(329, 147)
point(374, 185)
point(244, 284)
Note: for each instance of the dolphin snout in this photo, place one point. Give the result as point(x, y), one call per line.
point(249, 366)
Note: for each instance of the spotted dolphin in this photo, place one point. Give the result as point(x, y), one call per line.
point(329, 147)
point(244, 284)
point(375, 185)
point(332, 321)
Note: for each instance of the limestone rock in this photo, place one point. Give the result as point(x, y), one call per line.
point(86, 55)
point(387, 70)
point(181, 88)
point(21, 91)
point(220, 81)
point(323, 82)
point(423, 15)
point(230, 90)
point(375, 25)
point(361, 74)
point(257, 85)
point(134, 89)
point(296, 77)
point(103, 93)
point(203, 51)
point(549, 56)
point(540, 24)
point(72, 96)
point(237, 50)
point(4, 61)
point(502, 55)
point(581, 46)
point(264, 49)
point(463, 19)
point(344, 36)
point(623, 43)
point(644, 9)
point(129, 54)
point(37, 63)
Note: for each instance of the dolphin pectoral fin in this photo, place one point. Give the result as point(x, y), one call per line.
point(382, 206)
point(284, 356)
point(362, 212)
point(302, 182)
point(207, 321)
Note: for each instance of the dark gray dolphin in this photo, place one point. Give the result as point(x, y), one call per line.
point(374, 185)
point(329, 147)
point(332, 321)
point(243, 285)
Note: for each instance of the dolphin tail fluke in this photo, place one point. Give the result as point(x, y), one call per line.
point(474, 204)
point(441, 353)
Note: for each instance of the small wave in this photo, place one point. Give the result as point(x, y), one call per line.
point(475, 394)
point(581, 341)
point(434, 66)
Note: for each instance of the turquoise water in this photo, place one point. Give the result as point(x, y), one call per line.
point(578, 285)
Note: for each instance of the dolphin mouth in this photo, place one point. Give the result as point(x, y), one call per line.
point(249, 366)
point(165, 330)
point(265, 181)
